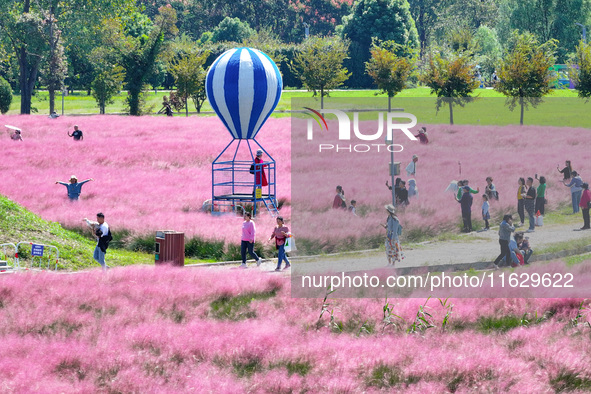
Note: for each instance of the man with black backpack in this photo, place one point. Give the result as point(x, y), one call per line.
point(102, 233)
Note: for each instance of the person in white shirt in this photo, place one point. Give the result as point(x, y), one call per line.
point(411, 168)
point(103, 236)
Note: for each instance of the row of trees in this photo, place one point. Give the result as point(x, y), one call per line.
point(102, 46)
point(524, 72)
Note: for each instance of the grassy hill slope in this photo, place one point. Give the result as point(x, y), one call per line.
point(18, 224)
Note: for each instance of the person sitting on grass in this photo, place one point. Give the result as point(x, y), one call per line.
point(525, 248)
point(74, 187)
point(16, 136)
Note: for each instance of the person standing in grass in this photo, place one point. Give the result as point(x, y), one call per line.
point(103, 236)
point(505, 230)
point(422, 136)
point(247, 244)
point(576, 190)
point(339, 201)
point(529, 198)
point(466, 204)
point(411, 168)
point(485, 212)
point(461, 189)
point(520, 200)
point(566, 171)
point(491, 190)
point(280, 233)
point(76, 134)
point(584, 204)
point(541, 195)
point(393, 233)
point(16, 136)
point(74, 187)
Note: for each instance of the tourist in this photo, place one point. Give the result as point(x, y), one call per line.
point(247, 244)
point(103, 236)
point(280, 233)
point(74, 187)
point(76, 134)
point(353, 207)
point(490, 189)
point(411, 168)
point(576, 190)
point(566, 171)
point(16, 136)
point(529, 198)
point(466, 204)
point(505, 230)
point(394, 231)
point(413, 191)
point(422, 136)
point(521, 201)
point(339, 201)
point(485, 212)
point(585, 204)
point(541, 195)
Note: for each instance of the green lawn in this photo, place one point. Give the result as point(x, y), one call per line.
point(561, 108)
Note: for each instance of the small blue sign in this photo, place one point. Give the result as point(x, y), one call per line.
point(37, 250)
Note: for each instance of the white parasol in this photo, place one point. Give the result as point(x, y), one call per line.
point(11, 127)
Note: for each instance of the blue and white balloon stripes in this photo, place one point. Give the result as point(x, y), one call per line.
point(243, 86)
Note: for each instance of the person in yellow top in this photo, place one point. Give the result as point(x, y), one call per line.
point(520, 200)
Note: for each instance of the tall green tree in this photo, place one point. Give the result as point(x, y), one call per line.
point(189, 76)
point(108, 77)
point(426, 16)
point(525, 73)
point(319, 64)
point(451, 78)
point(231, 29)
point(138, 54)
point(581, 74)
point(385, 20)
point(488, 50)
point(31, 26)
point(389, 71)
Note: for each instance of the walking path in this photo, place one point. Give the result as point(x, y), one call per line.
point(475, 250)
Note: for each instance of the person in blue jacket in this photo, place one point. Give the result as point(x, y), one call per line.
point(74, 187)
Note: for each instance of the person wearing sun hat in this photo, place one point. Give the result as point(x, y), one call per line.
point(74, 187)
point(393, 232)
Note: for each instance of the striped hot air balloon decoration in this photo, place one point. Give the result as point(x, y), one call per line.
point(243, 86)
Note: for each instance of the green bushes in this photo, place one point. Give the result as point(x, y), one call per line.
point(5, 96)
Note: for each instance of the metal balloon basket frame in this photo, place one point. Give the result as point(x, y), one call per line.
point(237, 181)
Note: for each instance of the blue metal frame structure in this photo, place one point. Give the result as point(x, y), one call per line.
point(232, 181)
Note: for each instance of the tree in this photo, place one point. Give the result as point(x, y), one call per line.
point(55, 69)
point(108, 77)
point(231, 29)
point(488, 51)
point(139, 54)
point(319, 64)
point(189, 76)
point(581, 73)
point(31, 28)
point(5, 96)
point(385, 20)
point(425, 15)
point(389, 72)
point(451, 78)
point(524, 72)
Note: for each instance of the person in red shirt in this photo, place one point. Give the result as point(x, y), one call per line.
point(422, 136)
point(259, 167)
point(339, 201)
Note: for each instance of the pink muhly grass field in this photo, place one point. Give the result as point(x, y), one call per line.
point(504, 153)
point(145, 329)
point(149, 173)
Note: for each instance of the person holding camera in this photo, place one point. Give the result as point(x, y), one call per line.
point(101, 231)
